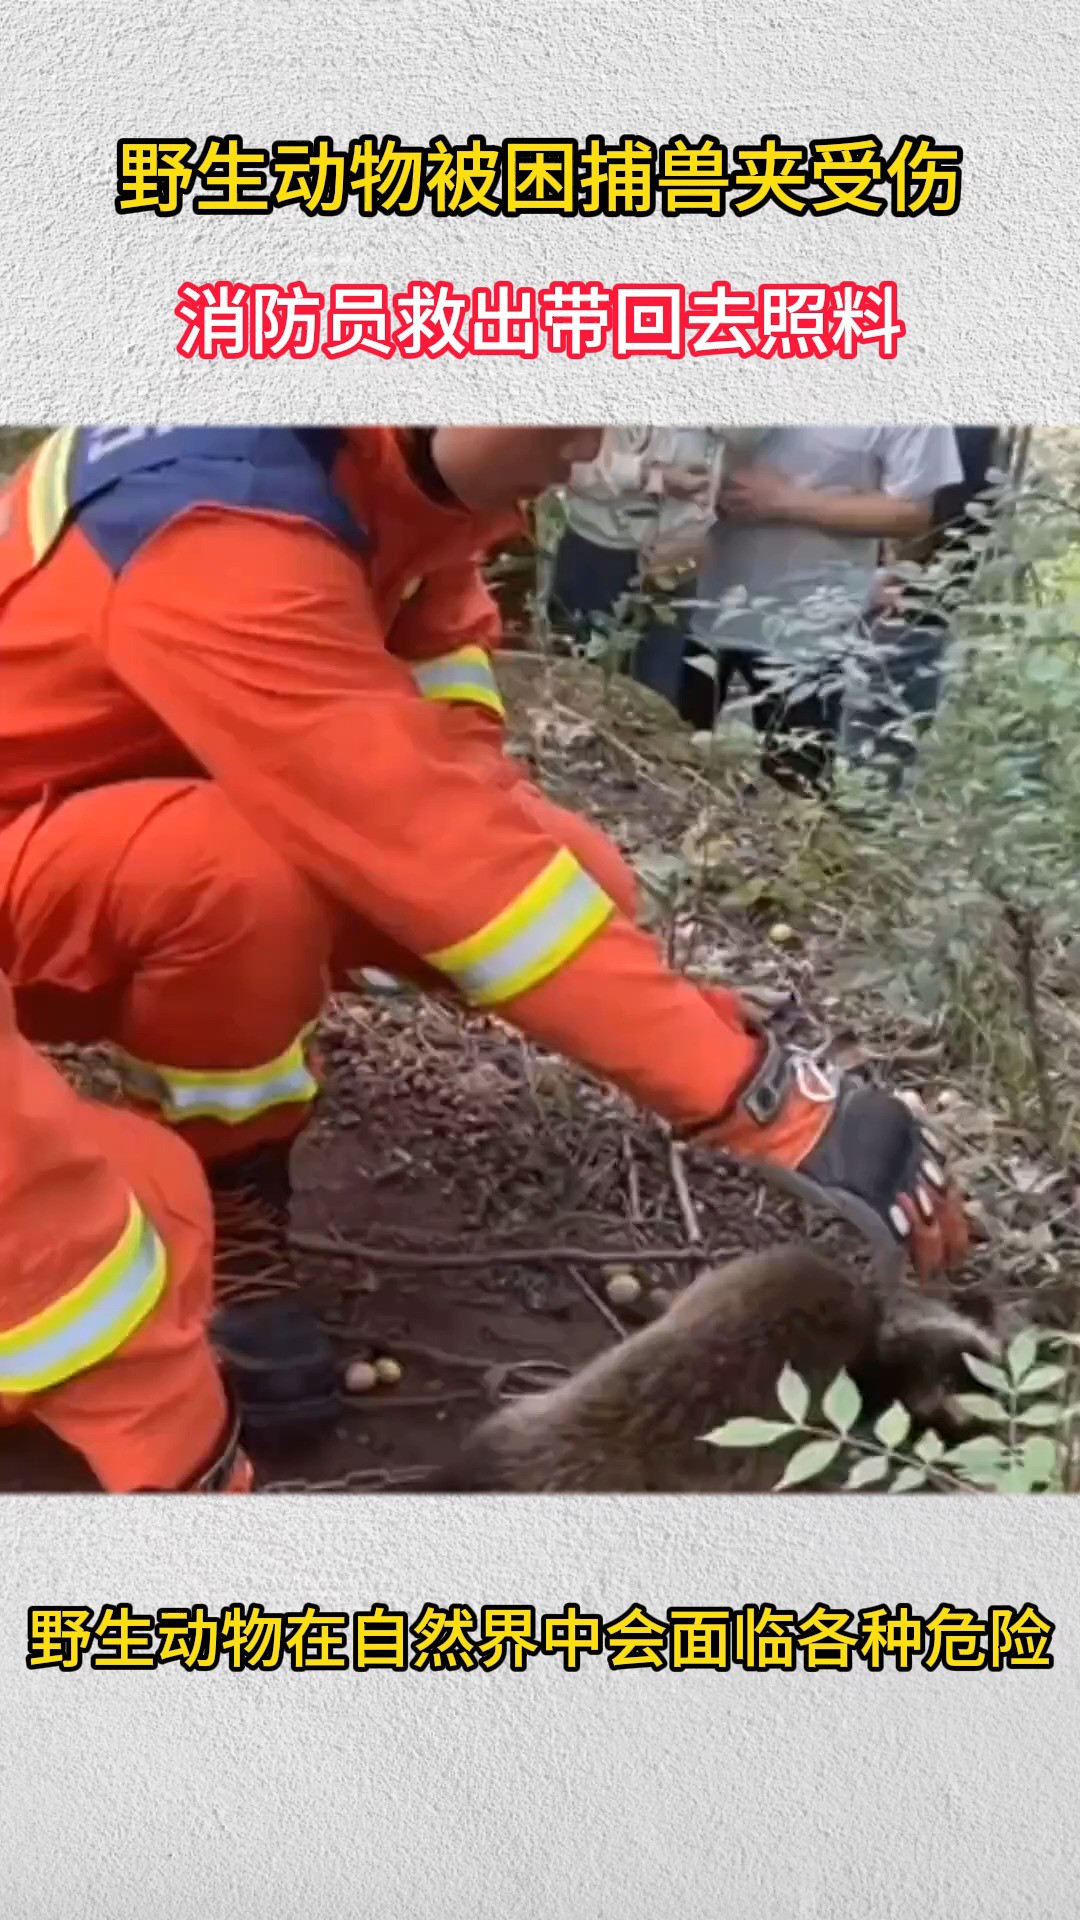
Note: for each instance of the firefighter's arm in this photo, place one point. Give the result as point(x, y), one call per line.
point(255, 641)
point(447, 627)
point(447, 630)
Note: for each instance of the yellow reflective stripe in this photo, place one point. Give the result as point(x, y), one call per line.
point(94, 1319)
point(47, 497)
point(548, 923)
point(233, 1097)
point(465, 675)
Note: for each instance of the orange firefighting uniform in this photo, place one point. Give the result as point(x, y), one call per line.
point(251, 742)
point(106, 1282)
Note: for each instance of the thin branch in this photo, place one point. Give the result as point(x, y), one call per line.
point(1023, 928)
point(633, 1180)
point(601, 1306)
point(683, 1194)
point(399, 1402)
point(362, 1253)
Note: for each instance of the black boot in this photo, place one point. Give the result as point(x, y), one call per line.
point(275, 1356)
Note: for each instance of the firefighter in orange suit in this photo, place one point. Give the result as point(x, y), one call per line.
point(106, 1285)
point(251, 745)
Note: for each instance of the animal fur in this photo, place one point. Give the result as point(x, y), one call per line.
point(631, 1420)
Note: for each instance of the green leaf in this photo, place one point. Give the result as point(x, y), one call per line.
point(930, 1447)
point(1013, 1478)
point(747, 1432)
point(978, 1454)
point(988, 1375)
point(808, 1463)
point(1021, 1354)
point(793, 1395)
point(1039, 1457)
point(758, 891)
point(893, 1426)
point(1044, 1413)
point(980, 1406)
point(908, 1479)
point(1040, 1378)
point(842, 1403)
point(874, 1467)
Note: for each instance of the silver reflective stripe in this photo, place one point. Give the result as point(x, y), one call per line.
point(524, 951)
point(230, 1101)
point(454, 674)
point(87, 1336)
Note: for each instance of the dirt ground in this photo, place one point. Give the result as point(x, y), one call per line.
point(479, 1193)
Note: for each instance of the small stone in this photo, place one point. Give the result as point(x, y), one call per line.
point(660, 1299)
point(388, 1371)
point(781, 935)
point(360, 1377)
point(623, 1289)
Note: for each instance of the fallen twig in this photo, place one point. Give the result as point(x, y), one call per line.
point(379, 1403)
point(594, 1299)
point(361, 1479)
point(441, 1356)
point(633, 1180)
point(360, 1252)
point(498, 1377)
point(644, 766)
point(1025, 932)
point(496, 1373)
point(683, 1195)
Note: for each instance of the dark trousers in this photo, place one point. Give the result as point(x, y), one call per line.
point(586, 583)
point(798, 735)
point(900, 700)
point(798, 728)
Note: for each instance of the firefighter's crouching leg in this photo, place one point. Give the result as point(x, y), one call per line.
point(208, 956)
point(155, 1416)
point(205, 952)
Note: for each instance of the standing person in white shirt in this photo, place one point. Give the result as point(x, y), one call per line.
point(643, 504)
point(787, 576)
point(912, 617)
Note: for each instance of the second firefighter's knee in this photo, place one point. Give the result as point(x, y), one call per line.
point(257, 896)
point(227, 892)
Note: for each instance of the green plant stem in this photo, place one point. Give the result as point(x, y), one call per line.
point(949, 1483)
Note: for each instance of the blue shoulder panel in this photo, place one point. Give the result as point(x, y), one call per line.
point(125, 483)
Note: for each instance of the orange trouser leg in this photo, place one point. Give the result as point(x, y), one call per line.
point(154, 1415)
point(149, 914)
point(358, 945)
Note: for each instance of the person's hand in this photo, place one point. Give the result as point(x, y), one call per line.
point(835, 1142)
point(887, 595)
point(757, 495)
point(685, 483)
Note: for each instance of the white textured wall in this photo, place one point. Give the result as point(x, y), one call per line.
point(988, 295)
point(603, 1796)
point(596, 1796)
